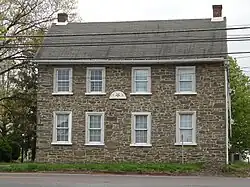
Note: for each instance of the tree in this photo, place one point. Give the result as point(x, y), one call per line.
point(5, 150)
point(26, 90)
point(19, 18)
point(28, 17)
point(240, 97)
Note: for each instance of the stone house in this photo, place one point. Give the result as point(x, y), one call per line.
point(135, 91)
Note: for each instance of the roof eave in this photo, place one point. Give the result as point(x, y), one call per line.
point(131, 61)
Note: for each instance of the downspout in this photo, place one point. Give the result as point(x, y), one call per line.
point(230, 105)
point(226, 94)
point(231, 158)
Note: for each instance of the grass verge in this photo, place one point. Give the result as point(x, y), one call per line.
point(168, 168)
point(240, 169)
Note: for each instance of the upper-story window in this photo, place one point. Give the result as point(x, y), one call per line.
point(141, 80)
point(95, 80)
point(185, 80)
point(62, 80)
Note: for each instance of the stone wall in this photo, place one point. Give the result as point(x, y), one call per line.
point(209, 103)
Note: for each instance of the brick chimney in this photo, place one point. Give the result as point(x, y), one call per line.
point(217, 13)
point(62, 19)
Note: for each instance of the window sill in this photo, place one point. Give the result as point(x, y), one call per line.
point(94, 144)
point(185, 93)
point(62, 93)
point(96, 93)
point(61, 143)
point(140, 145)
point(186, 144)
point(141, 93)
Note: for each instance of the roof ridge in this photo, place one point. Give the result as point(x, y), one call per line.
point(141, 21)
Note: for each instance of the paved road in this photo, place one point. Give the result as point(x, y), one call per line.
point(76, 180)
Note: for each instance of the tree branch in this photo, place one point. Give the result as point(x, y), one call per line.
point(12, 56)
point(13, 67)
point(11, 97)
point(6, 108)
point(19, 15)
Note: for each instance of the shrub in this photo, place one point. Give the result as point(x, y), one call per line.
point(5, 151)
point(15, 150)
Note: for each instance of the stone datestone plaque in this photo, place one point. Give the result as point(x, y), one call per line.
point(117, 95)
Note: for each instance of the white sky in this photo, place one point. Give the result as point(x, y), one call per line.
point(236, 11)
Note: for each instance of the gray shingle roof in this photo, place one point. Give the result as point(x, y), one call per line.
point(150, 46)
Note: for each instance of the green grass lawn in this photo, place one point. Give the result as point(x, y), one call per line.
point(240, 169)
point(103, 167)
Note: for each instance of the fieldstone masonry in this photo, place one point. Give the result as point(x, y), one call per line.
point(209, 103)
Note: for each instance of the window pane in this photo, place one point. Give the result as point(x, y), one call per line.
point(62, 134)
point(96, 74)
point(63, 74)
point(140, 136)
point(63, 80)
point(187, 76)
point(63, 86)
point(62, 120)
point(186, 121)
point(94, 121)
point(141, 122)
point(94, 135)
point(187, 135)
point(186, 86)
point(141, 86)
point(141, 74)
point(96, 86)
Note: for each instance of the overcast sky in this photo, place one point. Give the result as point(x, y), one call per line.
point(237, 13)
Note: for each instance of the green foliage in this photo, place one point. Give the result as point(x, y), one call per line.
point(239, 83)
point(22, 110)
point(240, 169)
point(107, 167)
point(5, 151)
point(3, 30)
point(15, 147)
point(19, 90)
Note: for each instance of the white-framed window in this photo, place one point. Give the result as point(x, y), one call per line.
point(141, 80)
point(62, 81)
point(95, 80)
point(186, 127)
point(62, 127)
point(185, 79)
point(141, 129)
point(94, 132)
